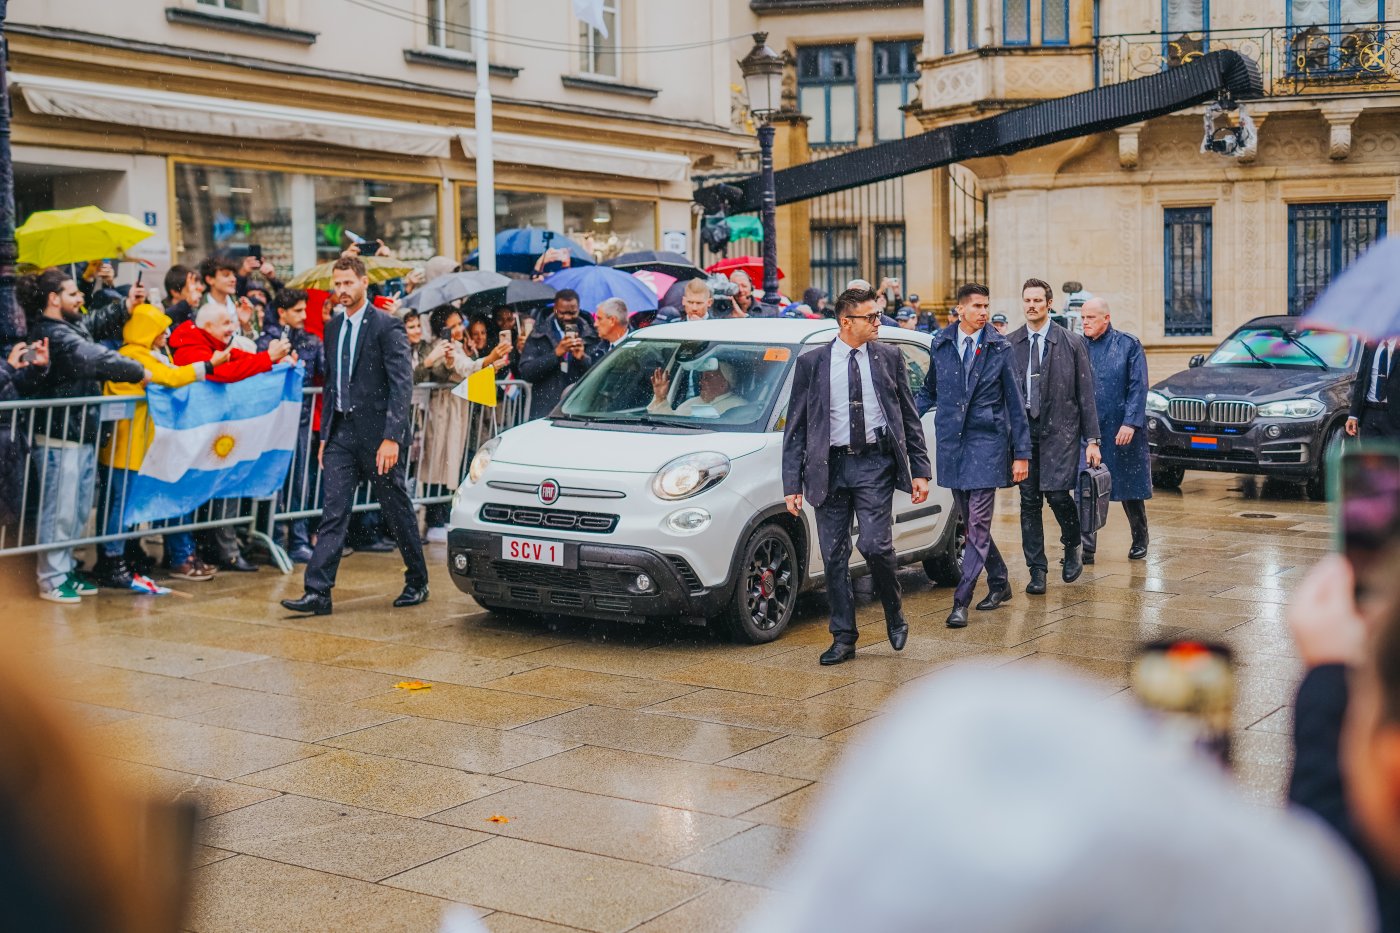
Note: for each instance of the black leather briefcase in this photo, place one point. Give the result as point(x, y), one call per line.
point(1095, 487)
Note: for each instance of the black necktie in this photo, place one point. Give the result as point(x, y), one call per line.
point(1383, 372)
point(1033, 383)
point(857, 399)
point(343, 370)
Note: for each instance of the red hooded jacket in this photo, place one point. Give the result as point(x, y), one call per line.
point(189, 344)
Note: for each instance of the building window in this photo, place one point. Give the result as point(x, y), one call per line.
point(835, 257)
point(1016, 22)
point(252, 9)
point(896, 77)
point(599, 51)
point(229, 209)
point(889, 253)
point(826, 88)
point(972, 24)
point(1054, 22)
point(1185, 31)
point(402, 214)
point(605, 227)
point(1187, 305)
point(948, 11)
point(1323, 239)
point(448, 22)
point(1336, 35)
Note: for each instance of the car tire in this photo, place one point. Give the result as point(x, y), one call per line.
point(945, 567)
point(765, 592)
point(1168, 477)
point(1317, 486)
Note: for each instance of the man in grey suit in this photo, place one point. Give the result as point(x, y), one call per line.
point(1053, 372)
point(853, 437)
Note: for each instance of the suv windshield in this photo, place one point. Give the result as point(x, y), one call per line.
point(701, 384)
point(1276, 346)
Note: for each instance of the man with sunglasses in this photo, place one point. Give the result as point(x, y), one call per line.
point(853, 437)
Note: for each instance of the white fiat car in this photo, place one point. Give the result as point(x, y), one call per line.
point(617, 505)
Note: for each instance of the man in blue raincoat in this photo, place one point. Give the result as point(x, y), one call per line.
point(1120, 394)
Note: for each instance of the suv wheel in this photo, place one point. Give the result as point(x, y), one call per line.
point(1317, 485)
point(1168, 477)
point(766, 591)
point(945, 568)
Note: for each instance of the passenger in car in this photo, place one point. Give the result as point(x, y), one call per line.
point(716, 395)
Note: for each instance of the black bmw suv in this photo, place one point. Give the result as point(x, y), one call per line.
point(1271, 400)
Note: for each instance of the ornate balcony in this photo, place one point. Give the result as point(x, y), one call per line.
point(1333, 58)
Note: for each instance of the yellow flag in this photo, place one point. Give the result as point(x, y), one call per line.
point(481, 386)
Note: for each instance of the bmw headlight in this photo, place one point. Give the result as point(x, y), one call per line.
point(482, 460)
point(1292, 408)
point(1156, 401)
point(691, 474)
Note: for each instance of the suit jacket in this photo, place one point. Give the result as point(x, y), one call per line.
point(1363, 383)
point(380, 383)
point(1068, 415)
point(807, 436)
point(979, 428)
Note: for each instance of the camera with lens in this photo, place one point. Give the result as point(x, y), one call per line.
point(724, 292)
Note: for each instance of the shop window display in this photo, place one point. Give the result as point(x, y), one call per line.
point(606, 227)
point(228, 209)
point(402, 214)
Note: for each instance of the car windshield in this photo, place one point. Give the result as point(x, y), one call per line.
point(1278, 346)
point(700, 384)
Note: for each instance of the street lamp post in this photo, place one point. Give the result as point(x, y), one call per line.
point(11, 320)
point(763, 78)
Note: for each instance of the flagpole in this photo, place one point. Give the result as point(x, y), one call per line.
point(485, 164)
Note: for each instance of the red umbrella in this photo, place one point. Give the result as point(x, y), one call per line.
point(753, 265)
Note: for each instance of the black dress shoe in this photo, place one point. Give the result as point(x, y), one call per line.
point(1087, 559)
point(1037, 585)
point(411, 596)
point(1074, 563)
point(1137, 552)
point(314, 603)
point(899, 633)
point(837, 653)
point(995, 598)
point(958, 617)
point(378, 546)
point(237, 564)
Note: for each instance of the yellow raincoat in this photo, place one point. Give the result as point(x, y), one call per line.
point(131, 438)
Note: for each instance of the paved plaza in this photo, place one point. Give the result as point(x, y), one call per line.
point(562, 775)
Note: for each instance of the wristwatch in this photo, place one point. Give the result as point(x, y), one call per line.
point(1096, 441)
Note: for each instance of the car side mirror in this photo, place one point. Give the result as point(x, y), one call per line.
point(1198, 360)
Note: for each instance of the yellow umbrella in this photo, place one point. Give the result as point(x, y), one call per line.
point(380, 269)
point(79, 234)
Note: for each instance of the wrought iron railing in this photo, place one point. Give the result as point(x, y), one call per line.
point(1320, 59)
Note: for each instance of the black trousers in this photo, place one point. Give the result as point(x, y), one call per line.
point(1376, 423)
point(861, 486)
point(1136, 510)
point(1032, 522)
point(349, 461)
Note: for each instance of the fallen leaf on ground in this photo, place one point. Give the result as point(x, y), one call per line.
point(413, 685)
point(497, 818)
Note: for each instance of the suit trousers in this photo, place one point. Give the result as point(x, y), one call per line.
point(976, 507)
point(1136, 510)
point(349, 461)
point(861, 486)
point(1376, 423)
point(1032, 522)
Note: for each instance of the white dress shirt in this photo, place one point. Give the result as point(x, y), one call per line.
point(841, 394)
point(1373, 390)
point(349, 330)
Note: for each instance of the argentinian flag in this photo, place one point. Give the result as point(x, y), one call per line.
point(217, 441)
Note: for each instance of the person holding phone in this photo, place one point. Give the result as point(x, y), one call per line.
point(557, 353)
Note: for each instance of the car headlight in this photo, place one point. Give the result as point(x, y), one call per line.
point(1156, 401)
point(482, 460)
point(688, 521)
point(1292, 408)
point(691, 474)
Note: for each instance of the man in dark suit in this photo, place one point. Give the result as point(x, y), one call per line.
point(366, 422)
point(1054, 375)
point(853, 437)
point(1375, 409)
point(983, 439)
point(557, 353)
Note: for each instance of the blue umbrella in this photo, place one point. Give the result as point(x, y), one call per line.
point(1362, 299)
point(518, 248)
point(596, 284)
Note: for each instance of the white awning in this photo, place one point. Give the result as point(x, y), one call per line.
point(568, 155)
point(226, 116)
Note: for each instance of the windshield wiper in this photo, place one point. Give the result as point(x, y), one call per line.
point(1305, 348)
point(1252, 355)
point(662, 422)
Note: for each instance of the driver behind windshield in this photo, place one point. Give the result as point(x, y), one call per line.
point(716, 394)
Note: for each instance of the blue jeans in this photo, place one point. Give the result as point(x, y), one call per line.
point(67, 475)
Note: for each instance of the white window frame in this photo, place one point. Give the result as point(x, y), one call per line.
point(218, 8)
point(437, 16)
point(588, 55)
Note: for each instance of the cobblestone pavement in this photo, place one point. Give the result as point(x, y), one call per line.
point(653, 779)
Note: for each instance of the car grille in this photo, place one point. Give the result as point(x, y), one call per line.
point(557, 578)
point(686, 572)
point(553, 519)
point(1190, 410)
point(1232, 412)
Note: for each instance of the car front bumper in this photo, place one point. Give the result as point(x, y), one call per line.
point(1272, 447)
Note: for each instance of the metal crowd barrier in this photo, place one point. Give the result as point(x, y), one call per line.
point(56, 449)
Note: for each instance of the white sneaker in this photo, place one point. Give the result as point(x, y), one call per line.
point(63, 593)
point(437, 535)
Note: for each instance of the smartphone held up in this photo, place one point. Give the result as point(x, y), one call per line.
point(1366, 506)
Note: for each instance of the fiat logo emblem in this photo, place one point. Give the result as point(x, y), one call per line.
point(549, 491)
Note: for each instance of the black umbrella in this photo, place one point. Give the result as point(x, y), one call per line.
point(654, 260)
point(520, 294)
point(449, 288)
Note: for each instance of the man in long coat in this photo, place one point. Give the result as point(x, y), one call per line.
point(1052, 368)
point(981, 434)
point(1120, 394)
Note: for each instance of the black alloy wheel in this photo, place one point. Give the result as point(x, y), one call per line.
point(945, 568)
point(1168, 477)
point(766, 592)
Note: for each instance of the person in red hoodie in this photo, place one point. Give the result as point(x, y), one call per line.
point(197, 341)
